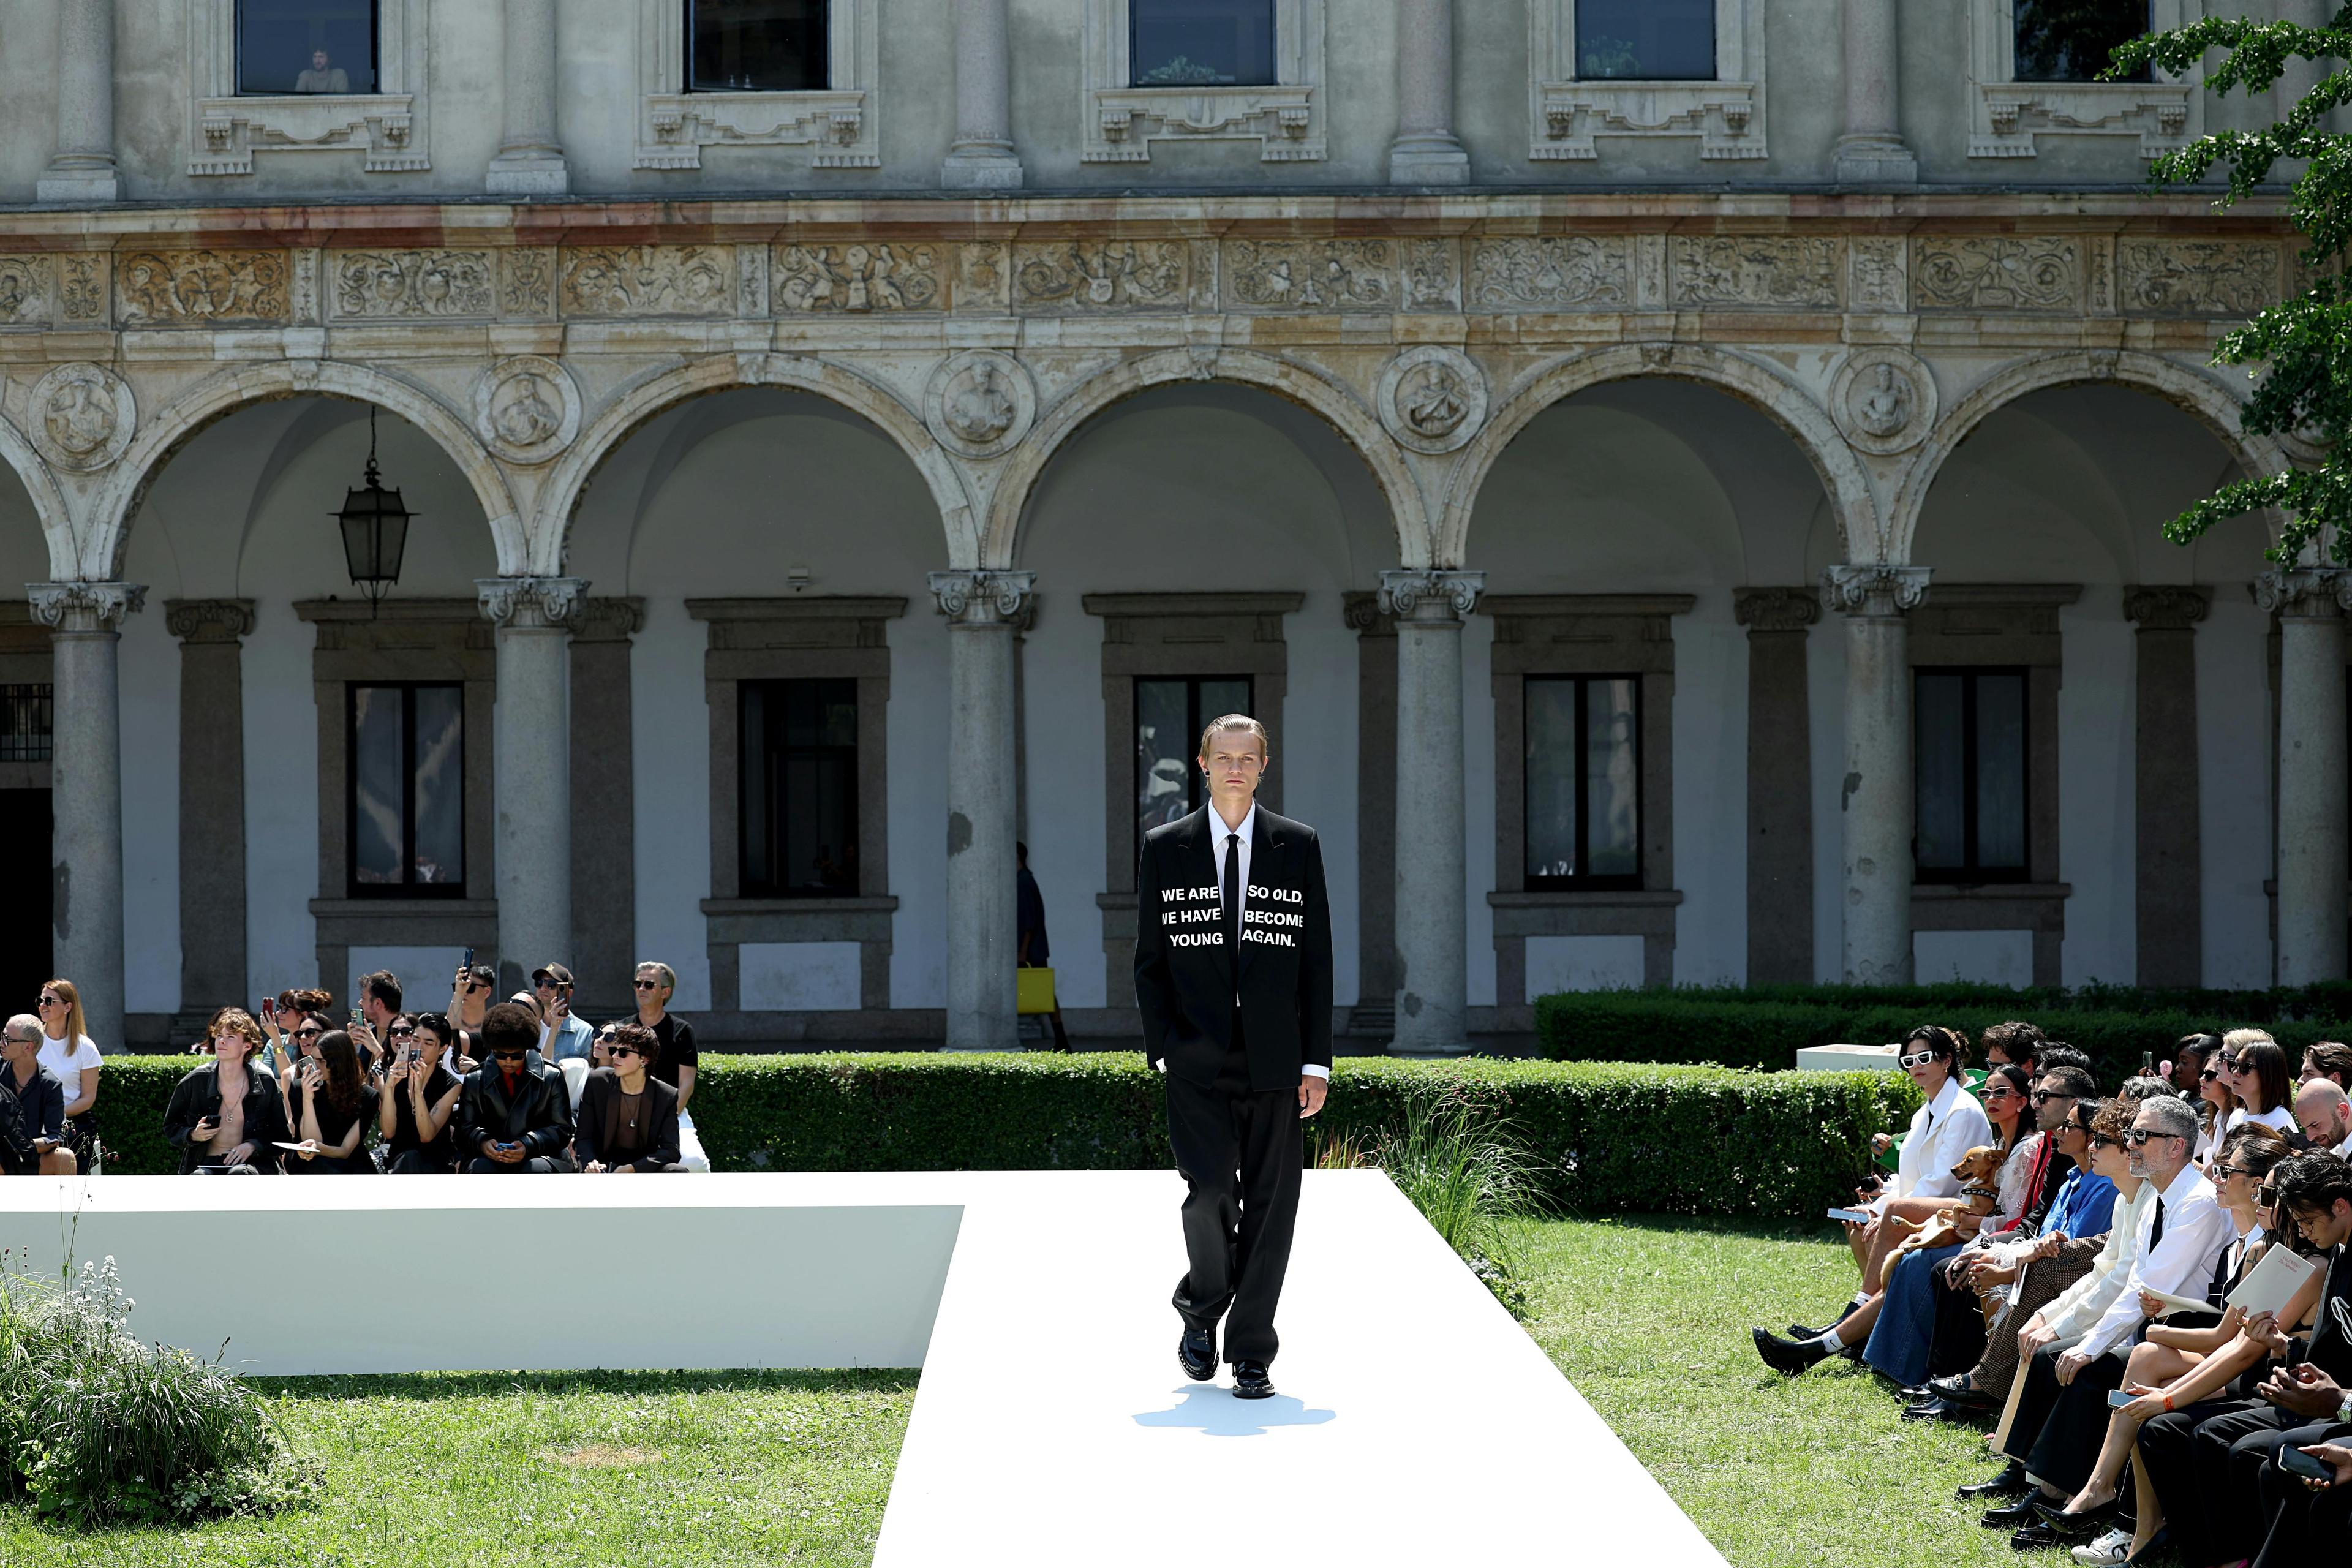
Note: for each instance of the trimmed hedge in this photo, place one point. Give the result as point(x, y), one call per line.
point(1603, 1137)
point(1766, 1035)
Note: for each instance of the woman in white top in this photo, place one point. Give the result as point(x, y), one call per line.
point(68, 1051)
point(2215, 1101)
point(2259, 1076)
point(2086, 1300)
point(1943, 1129)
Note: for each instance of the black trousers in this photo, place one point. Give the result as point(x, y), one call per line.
point(2191, 1497)
point(1242, 1157)
point(2059, 1427)
point(538, 1167)
point(2298, 1520)
point(1959, 1340)
point(2206, 1463)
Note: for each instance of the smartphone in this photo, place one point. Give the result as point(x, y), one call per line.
point(470, 959)
point(414, 1053)
point(2295, 1462)
point(358, 1018)
point(2119, 1397)
point(1850, 1217)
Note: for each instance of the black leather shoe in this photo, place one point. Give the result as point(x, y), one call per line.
point(2046, 1507)
point(2086, 1524)
point(1959, 1390)
point(2010, 1482)
point(2011, 1515)
point(1789, 1356)
point(1251, 1382)
point(1196, 1352)
point(2034, 1537)
point(1934, 1409)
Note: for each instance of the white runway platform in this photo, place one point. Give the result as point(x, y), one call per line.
point(1415, 1422)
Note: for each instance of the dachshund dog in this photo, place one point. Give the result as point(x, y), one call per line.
point(1977, 1172)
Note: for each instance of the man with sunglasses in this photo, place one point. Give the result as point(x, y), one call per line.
point(564, 1035)
point(517, 1109)
point(677, 1062)
point(628, 1118)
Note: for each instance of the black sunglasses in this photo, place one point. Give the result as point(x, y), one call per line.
point(2044, 1096)
point(398, 1030)
point(627, 1051)
point(2139, 1135)
point(310, 1033)
point(511, 1056)
point(2101, 1140)
point(648, 984)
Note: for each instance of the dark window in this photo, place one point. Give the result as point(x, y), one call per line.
point(407, 791)
point(1201, 43)
point(25, 723)
point(799, 750)
point(756, 46)
point(1645, 40)
point(2070, 40)
point(1970, 733)
point(1170, 715)
point(306, 45)
point(1584, 781)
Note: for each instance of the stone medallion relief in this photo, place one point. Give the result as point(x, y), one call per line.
point(1885, 400)
point(82, 417)
point(1432, 398)
point(527, 409)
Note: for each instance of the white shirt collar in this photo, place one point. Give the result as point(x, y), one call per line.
point(1217, 829)
point(2188, 1173)
point(1945, 1097)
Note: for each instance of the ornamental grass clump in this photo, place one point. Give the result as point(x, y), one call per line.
point(97, 1428)
point(1459, 1168)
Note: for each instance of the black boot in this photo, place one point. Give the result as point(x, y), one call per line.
point(1789, 1356)
point(2010, 1482)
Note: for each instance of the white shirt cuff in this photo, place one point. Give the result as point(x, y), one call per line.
point(1311, 1070)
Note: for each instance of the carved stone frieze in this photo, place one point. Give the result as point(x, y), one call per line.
point(2198, 277)
point(857, 277)
point(1432, 398)
point(1776, 609)
point(1433, 275)
point(1765, 270)
point(1996, 272)
point(526, 281)
point(1102, 274)
point(201, 288)
point(410, 285)
point(81, 287)
point(983, 276)
point(81, 416)
point(648, 280)
point(980, 403)
point(1333, 275)
point(1553, 272)
point(1885, 400)
point(27, 291)
point(527, 409)
point(1875, 276)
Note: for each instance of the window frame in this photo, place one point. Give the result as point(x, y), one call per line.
point(747, 887)
point(1566, 113)
point(353, 887)
point(388, 129)
point(2008, 117)
point(1285, 117)
point(1582, 880)
point(376, 57)
point(1196, 792)
point(1969, 873)
point(837, 126)
point(686, 78)
point(1273, 52)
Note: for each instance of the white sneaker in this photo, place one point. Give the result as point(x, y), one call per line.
point(2112, 1547)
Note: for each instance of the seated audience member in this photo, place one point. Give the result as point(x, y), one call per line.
point(285, 1015)
point(33, 1118)
point(227, 1115)
point(68, 1051)
point(2324, 1113)
point(628, 1118)
point(2206, 1468)
point(2012, 1044)
point(2184, 1361)
point(2189, 1055)
point(2062, 1412)
point(562, 1035)
point(469, 998)
point(2303, 1514)
point(420, 1101)
point(332, 1105)
point(2216, 1103)
point(516, 1112)
point(2256, 1070)
point(2330, 1059)
point(680, 1063)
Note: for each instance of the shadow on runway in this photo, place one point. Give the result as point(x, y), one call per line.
point(1215, 1412)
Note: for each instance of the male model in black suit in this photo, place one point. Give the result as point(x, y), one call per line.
point(1232, 975)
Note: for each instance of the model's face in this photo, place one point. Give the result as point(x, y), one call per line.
point(1233, 764)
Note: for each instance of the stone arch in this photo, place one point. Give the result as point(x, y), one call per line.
point(638, 400)
point(2189, 390)
point(177, 421)
point(1320, 396)
point(48, 501)
point(1768, 391)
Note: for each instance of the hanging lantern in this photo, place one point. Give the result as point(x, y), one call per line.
point(376, 530)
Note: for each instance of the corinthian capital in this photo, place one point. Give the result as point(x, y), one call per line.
point(1431, 596)
point(2305, 592)
point(531, 603)
point(982, 597)
point(1775, 609)
point(1874, 590)
point(85, 606)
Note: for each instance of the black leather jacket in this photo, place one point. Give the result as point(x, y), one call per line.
point(198, 1095)
point(538, 1116)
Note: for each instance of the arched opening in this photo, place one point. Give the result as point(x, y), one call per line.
point(27, 729)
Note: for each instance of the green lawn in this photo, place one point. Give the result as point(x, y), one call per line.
point(1648, 1317)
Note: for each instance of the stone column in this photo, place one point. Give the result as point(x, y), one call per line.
point(2313, 861)
point(603, 806)
point(982, 157)
point(82, 166)
point(1875, 799)
point(530, 156)
point(1779, 784)
point(531, 752)
point(86, 791)
point(1426, 151)
point(980, 608)
point(2168, 860)
point(1872, 152)
point(212, 798)
point(1375, 823)
point(1431, 927)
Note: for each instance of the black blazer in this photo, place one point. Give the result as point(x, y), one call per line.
point(198, 1096)
point(538, 1116)
point(600, 1122)
point(42, 1102)
point(1184, 982)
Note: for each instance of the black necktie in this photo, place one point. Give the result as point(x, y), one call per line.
point(1233, 899)
point(2155, 1232)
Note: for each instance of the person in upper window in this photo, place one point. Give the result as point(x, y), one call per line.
point(325, 76)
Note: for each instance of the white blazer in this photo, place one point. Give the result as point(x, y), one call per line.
point(1942, 1130)
point(2086, 1300)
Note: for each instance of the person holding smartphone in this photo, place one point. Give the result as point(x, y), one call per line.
point(419, 1101)
point(332, 1103)
point(564, 1036)
point(517, 1109)
point(227, 1115)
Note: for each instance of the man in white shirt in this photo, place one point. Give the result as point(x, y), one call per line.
point(2325, 1114)
point(2063, 1415)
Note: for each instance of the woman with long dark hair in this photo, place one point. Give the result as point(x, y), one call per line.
point(2259, 1076)
point(332, 1103)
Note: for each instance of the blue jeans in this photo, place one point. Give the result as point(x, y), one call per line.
point(1906, 1322)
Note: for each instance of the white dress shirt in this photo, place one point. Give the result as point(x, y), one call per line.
point(1247, 832)
point(1942, 1130)
point(2196, 1228)
point(2084, 1302)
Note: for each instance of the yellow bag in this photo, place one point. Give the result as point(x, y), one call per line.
point(1034, 991)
